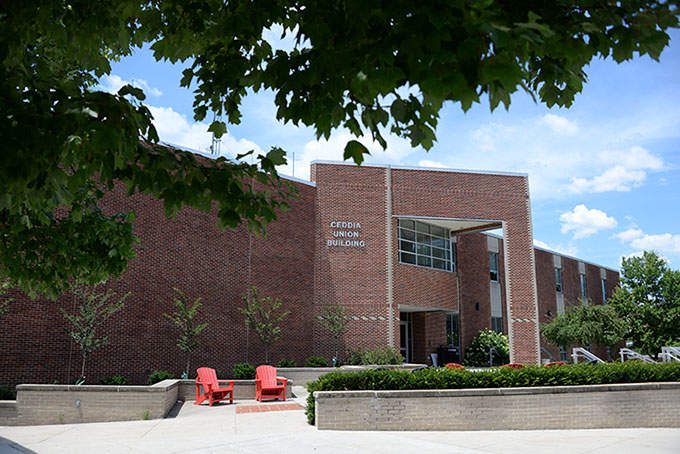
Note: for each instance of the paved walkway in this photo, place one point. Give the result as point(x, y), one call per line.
point(226, 429)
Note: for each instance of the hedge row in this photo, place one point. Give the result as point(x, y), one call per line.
point(441, 378)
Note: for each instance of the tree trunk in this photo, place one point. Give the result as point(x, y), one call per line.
point(82, 369)
point(186, 371)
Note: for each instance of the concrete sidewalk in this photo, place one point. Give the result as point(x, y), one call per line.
point(223, 429)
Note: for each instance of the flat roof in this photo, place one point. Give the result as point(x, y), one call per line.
point(433, 169)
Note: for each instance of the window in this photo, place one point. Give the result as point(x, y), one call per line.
point(584, 292)
point(563, 353)
point(493, 266)
point(604, 290)
point(452, 330)
point(558, 280)
point(425, 245)
point(497, 324)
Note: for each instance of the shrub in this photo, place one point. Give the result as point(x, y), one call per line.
point(159, 375)
point(244, 371)
point(383, 355)
point(355, 357)
point(442, 378)
point(316, 361)
point(115, 380)
point(7, 393)
point(477, 354)
point(380, 355)
point(286, 363)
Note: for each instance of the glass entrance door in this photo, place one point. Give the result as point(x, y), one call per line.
point(406, 336)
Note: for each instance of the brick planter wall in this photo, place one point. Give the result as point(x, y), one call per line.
point(67, 404)
point(559, 407)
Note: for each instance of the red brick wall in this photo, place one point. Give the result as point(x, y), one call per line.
point(491, 197)
point(352, 276)
point(295, 263)
point(194, 255)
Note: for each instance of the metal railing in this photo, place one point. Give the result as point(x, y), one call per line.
point(669, 354)
point(579, 352)
point(627, 353)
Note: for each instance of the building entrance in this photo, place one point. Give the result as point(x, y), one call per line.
point(406, 335)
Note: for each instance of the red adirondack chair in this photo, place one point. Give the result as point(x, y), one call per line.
point(268, 385)
point(208, 378)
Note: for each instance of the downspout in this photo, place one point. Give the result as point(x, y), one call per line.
point(388, 229)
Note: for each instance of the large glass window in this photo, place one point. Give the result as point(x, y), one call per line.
point(584, 291)
point(493, 266)
point(604, 290)
point(558, 280)
point(425, 245)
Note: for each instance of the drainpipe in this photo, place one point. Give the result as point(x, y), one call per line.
point(390, 293)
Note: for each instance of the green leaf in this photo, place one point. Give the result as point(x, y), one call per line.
point(355, 150)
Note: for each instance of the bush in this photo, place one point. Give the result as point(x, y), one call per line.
point(286, 363)
point(316, 361)
point(477, 354)
point(383, 355)
point(442, 378)
point(244, 371)
point(7, 393)
point(355, 357)
point(159, 375)
point(115, 380)
point(380, 356)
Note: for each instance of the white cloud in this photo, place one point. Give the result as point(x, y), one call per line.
point(559, 124)
point(174, 128)
point(634, 158)
point(585, 222)
point(618, 178)
point(333, 150)
point(113, 83)
point(628, 235)
point(490, 136)
point(431, 164)
point(665, 243)
point(570, 249)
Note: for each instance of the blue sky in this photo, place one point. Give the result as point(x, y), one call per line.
point(603, 174)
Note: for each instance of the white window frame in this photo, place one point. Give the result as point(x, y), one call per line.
point(431, 242)
point(558, 280)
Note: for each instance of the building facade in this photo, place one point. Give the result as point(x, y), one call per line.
point(401, 248)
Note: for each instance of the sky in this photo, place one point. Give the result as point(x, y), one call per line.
point(603, 174)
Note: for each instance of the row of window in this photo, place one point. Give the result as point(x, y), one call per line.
point(582, 282)
point(426, 245)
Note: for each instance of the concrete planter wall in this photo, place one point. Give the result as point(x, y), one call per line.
point(559, 407)
point(67, 404)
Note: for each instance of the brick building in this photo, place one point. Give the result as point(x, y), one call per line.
point(402, 248)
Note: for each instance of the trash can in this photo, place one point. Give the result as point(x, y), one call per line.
point(448, 354)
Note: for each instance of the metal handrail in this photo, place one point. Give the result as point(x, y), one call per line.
point(580, 352)
point(669, 354)
point(627, 353)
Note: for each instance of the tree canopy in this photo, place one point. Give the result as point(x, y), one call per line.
point(649, 300)
point(585, 325)
point(371, 67)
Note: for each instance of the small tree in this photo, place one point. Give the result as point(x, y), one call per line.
point(183, 318)
point(335, 318)
point(477, 354)
point(649, 301)
point(261, 316)
point(92, 311)
point(586, 325)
